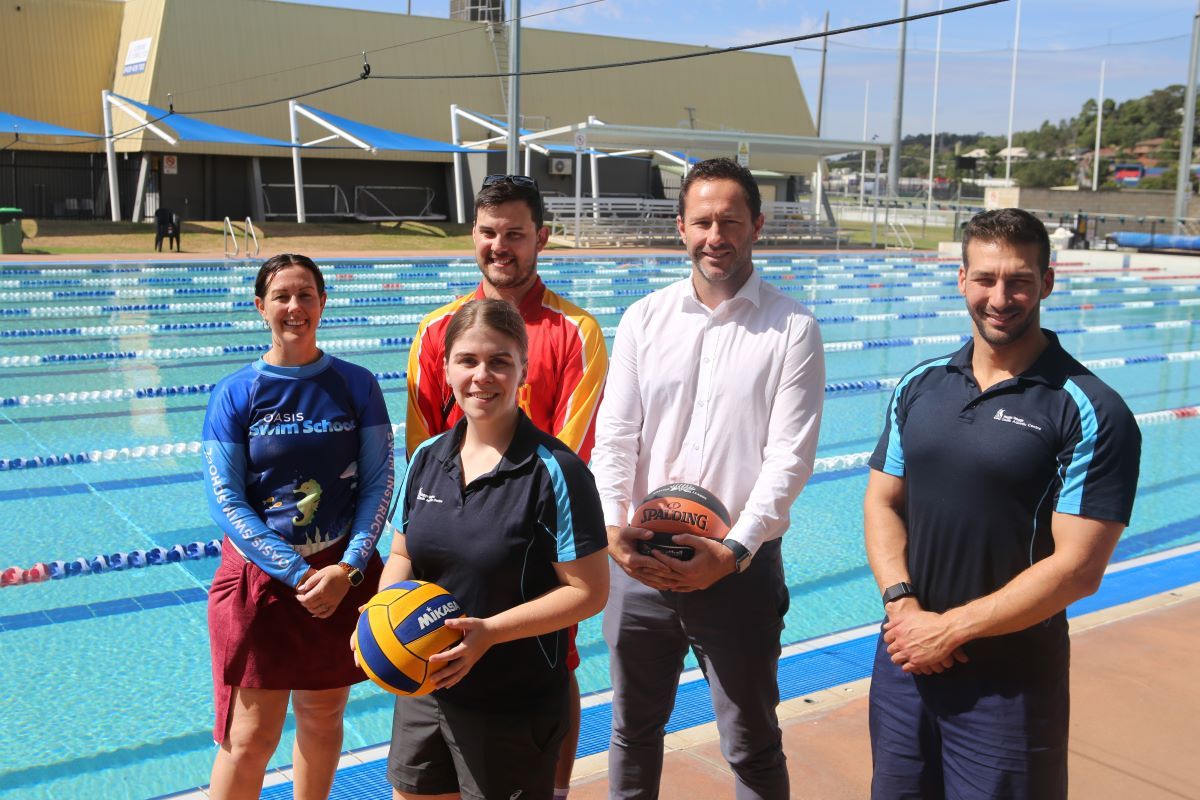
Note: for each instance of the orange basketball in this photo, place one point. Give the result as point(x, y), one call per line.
point(679, 508)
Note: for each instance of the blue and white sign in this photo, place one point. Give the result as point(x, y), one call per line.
point(136, 56)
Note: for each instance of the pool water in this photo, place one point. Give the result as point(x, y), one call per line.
point(108, 691)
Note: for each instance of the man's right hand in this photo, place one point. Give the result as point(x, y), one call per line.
point(622, 547)
point(903, 608)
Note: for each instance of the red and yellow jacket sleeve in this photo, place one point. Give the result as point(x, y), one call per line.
point(581, 383)
point(427, 390)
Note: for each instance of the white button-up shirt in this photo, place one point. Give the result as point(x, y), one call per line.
point(729, 399)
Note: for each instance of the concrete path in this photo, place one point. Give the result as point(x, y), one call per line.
point(1135, 723)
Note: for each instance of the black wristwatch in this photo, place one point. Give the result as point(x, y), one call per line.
point(741, 556)
point(352, 572)
point(898, 590)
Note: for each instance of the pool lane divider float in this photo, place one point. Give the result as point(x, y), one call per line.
point(115, 395)
point(831, 262)
point(115, 562)
point(468, 280)
point(194, 551)
point(138, 293)
point(826, 464)
point(254, 325)
point(410, 281)
point(349, 302)
point(353, 345)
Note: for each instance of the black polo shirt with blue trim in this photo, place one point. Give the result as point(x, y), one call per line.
point(493, 544)
point(984, 472)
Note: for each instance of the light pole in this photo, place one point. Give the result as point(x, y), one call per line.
point(1099, 127)
point(1012, 94)
point(937, 66)
point(1183, 181)
point(514, 89)
point(893, 176)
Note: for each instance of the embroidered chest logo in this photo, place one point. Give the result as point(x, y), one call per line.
point(427, 498)
point(1009, 418)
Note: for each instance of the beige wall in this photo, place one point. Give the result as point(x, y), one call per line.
point(56, 57)
point(220, 53)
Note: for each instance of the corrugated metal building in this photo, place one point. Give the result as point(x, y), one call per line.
point(58, 56)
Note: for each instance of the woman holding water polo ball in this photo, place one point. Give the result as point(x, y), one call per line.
point(298, 471)
point(507, 518)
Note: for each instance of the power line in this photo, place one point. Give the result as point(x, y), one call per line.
point(362, 77)
point(1008, 50)
point(701, 54)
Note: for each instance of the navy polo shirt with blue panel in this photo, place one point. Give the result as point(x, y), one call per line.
point(493, 544)
point(984, 472)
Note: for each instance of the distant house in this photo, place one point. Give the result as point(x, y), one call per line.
point(1015, 152)
point(1085, 160)
point(1147, 147)
point(978, 152)
point(1146, 151)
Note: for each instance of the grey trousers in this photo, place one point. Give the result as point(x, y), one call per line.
point(733, 628)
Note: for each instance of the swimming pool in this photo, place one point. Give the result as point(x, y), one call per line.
point(104, 373)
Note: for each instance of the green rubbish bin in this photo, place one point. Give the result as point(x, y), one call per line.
point(11, 234)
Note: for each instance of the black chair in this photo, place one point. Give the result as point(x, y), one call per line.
point(167, 227)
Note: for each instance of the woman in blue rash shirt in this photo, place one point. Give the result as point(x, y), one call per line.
point(298, 470)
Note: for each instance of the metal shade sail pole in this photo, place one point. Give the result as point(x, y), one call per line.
point(875, 201)
point(297, 172)
point(819, 189)
point(459, 210)
point(110, 153)
point(578, 191)
point(141, 187)
point(862, 171)
point(514, 88)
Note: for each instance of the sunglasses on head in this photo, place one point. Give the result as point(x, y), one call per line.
point(516, 180)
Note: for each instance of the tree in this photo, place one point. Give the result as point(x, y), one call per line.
point(1044, 172)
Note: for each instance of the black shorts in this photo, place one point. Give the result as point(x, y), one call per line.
point(969, 733)
point(440, 747)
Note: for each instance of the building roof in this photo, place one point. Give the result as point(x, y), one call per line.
point(222, 53)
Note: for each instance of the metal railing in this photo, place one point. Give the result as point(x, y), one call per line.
point(617, 221)
point(227, 236)
point(339, 206)
point(249, 235)
point(367, 203)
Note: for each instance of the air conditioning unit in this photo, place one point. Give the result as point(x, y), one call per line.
point(562, 166)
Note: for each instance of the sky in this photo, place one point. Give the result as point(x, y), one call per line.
point(1145, 45)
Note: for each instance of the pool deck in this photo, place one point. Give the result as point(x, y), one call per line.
point(1135, 719)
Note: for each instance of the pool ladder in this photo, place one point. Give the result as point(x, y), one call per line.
point(230, 235)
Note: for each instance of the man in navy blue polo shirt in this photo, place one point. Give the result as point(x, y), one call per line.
point(1002, 481)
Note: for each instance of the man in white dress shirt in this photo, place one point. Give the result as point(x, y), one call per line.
point(717, 380)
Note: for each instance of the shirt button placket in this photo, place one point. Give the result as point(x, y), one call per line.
point(698, 427)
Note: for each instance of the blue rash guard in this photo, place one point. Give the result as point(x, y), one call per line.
point(296, 458)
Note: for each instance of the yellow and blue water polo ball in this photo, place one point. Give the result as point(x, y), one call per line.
point(399, 629)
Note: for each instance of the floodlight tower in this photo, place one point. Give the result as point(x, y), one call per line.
point(1183, 181)
point(893, 176)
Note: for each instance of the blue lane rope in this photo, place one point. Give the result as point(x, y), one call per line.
point(114, 562)
point(426, 300)
point(352, 345)
point(355, 288)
